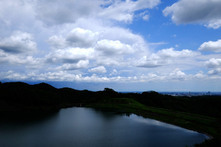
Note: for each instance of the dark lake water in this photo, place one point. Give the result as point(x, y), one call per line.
point(85, 127)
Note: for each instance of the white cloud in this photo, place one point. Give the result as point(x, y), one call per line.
point(214, 46)
point(110, 47)
point(99, 69)
point(74, 66)
point(124, 36)
point(214, 63)
point(215, 71)
point(150, 62)
point(172, 75)
point(215, 24)
point(108, 61)
point(165, 57)
point(98, 46)
point(66, 75)
point(146, 17)
point(18, 49)
point(200, 75)
point(79, 37)
point(12, 59)
point(18, 42)
point(60, 12)
point(13, 75)
point(177, 74)
point(114, 72)
point(74, 37)
point(170, 52)
point(69, 55)
point(57, 42)
point(57, 76)
point(124, 10)
point(207, 12)
point(16, 13)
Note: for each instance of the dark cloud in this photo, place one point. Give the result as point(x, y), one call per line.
point(205, 12)
point(18, 42)
point(53, 12)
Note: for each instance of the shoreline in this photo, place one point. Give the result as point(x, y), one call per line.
point(159, 117)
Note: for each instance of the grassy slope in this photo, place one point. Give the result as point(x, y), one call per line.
point(195, 122)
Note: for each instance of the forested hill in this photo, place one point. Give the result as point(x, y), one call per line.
point(18, 96)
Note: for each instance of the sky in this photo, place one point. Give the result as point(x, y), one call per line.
point(127, 45)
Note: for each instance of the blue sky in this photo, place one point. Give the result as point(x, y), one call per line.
point(127, 45)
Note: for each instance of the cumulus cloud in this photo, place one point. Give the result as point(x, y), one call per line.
point(124, 10)
point(213, 63)
point(82, 38)
point(214, 46)
point(170, 52)
point(69, 55)
point(146, 17)
point(65, 75)
point(13, 59)
point(110, 47)
point(77, 37)
point(166, 56)
point(59, 11)
point(150, 62)
point(177, 74)
point(57, 76)
point(18, 49)
point(57, 42)
point(13, 75)
point(200, 75)
point(96, 46)
point(215, 71)
point(70, 11)
point(125, 36)
point(16, 13)
point(207, 12)
point(99, 69)
point(18, 42)
point(74, 66)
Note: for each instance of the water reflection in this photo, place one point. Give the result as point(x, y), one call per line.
point(157, 123)
point(84, 127)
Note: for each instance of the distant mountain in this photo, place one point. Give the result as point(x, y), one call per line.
point(44, 86)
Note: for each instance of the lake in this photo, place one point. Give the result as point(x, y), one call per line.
point(86, 127)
